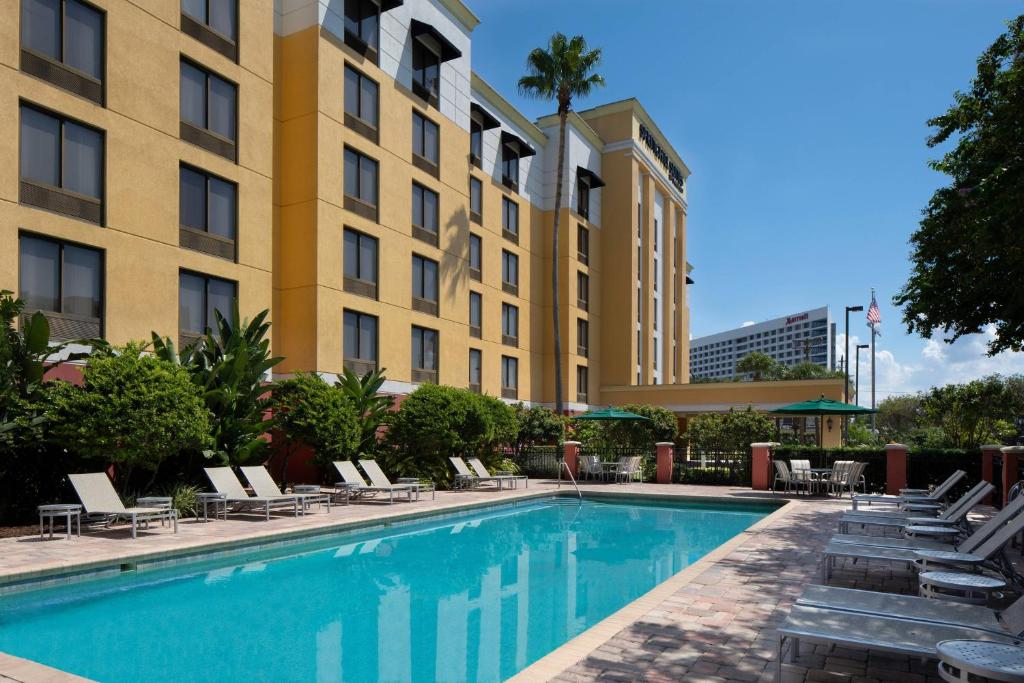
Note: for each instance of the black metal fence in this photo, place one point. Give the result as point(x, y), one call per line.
point(723, 467)
point(537, 461)
point(931, 467)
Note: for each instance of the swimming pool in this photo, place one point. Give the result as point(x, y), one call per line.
point(471, 596)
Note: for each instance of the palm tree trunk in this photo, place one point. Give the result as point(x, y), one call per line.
point(563, 113)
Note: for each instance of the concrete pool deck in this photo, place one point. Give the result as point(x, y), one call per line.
point(714, 621)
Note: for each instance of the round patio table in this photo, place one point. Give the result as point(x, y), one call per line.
point(980, 661)
point(931, 531)
point(971, 589)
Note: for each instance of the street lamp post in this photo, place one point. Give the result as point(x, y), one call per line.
point(856, 380)
point(846, 386)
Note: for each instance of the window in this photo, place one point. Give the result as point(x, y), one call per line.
point(362, 27)
point(425, 217)
point(360, 263)
point(510, 219)
point(475, 257)
point(360, 340)
point(424, 354)
point(582, 337)
point(476, 142)
point(360, 184)
point(62, 43)
point(475, 314)
point(582, 244)
point(207, 212)
point(362, 97)
point(476, 200)
point(510, 325)
point(426, 72)
point(209, 110)
point(426, 149)
point(61, 165)
point(582, 197)
point(510, 166)
point(475, 369)
point(582, 384)
point(65, 282)
point(213, 23)
point(509, 377)
point(200, 297)
point(582, 291)
point(424, 285)
point(509, 272)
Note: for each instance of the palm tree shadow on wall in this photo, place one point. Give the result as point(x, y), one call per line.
point(455, 261)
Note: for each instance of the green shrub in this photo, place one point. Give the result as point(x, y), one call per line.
point(310, 411)
point(732, 431)
point(537, 426)
point(662, 425)
point(132, 410)
point(184, 499)
point(371, 406)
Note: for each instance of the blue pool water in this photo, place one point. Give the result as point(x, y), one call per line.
point(468, 597)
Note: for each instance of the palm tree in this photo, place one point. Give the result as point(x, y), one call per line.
point(561, 72)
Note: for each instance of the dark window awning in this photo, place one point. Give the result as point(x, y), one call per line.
point(689, 280)
point(448, 51)
point(385, 5)
point(592, 179)
point(517, 143)
point(483, 116)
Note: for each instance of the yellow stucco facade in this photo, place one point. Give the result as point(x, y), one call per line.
point(295, 128)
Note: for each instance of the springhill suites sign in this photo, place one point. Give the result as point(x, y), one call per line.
point(674, 174)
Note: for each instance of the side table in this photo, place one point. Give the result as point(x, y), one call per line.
point(980, 661)
point(68, 512)
point(418, 485)
point(972, 589)
point(219, 501)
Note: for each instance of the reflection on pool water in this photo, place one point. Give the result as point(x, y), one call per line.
point(475, 596)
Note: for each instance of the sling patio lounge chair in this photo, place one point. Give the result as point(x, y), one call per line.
point(360, 488)
point(508, 477)
point(99, 498)
point(464, 477)
point(264, 485)
point(985, 547)
point(954, 516)
point(379, 480)
point(936, 497)
point(224, 481)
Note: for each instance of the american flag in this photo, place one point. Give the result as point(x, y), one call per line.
point(874, 316)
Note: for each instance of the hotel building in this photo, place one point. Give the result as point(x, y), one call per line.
point(808, 336)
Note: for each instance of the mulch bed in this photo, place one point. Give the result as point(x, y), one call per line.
point(13, 531)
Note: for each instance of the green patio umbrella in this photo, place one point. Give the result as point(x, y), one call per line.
point(611, 414)
point(822, 407)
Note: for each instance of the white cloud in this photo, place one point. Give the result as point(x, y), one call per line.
point(748, 323)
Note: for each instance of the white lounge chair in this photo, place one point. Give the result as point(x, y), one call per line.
point(464, 478)
point(224, 481)
point(379, 480)
point(263, 485)
point(99, 498)
point(954, 515)
point(937, 496)
point(482, 472)
point(358, 485)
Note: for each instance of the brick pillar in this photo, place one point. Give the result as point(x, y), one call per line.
point(1011, 455)
point(895, 468)
point(571, 454)
point(761, 465)
point(666, 452)
point(988, 455)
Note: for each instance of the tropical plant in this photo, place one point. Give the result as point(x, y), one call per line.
point(661, 425)
point(732, 431)
point(970, 237)
point(231, 367)
point(310, 412)
point(973, 413)
point(562, 72)
point(371, 406)
point(184, 499)
point(809, 370)
point(132, 410)
point(537, 426)
point(761, 367)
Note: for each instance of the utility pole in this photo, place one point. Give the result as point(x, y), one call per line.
point(846, 370)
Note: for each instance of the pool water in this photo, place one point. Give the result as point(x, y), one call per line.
point(474, 596)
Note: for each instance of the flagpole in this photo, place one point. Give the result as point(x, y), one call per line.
point(874, 333)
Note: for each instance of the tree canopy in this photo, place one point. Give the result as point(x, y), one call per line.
point(970, 240)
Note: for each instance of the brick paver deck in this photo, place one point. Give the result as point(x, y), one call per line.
point(713, 622)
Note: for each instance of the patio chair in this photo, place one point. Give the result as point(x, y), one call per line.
point(872, 632)
point(954, 515)
point(464, 478)
point(224, 481)
point(802, 474)
point(985, 547)
point(937, 496)
point(590, 467)
point(783, 476)
point(99, 498)
point(627, 468)
point(481, 471)
point(381, 484)
point(1009, 621)
point(264, 485)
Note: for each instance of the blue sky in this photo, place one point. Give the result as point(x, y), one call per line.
point(803, 122)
